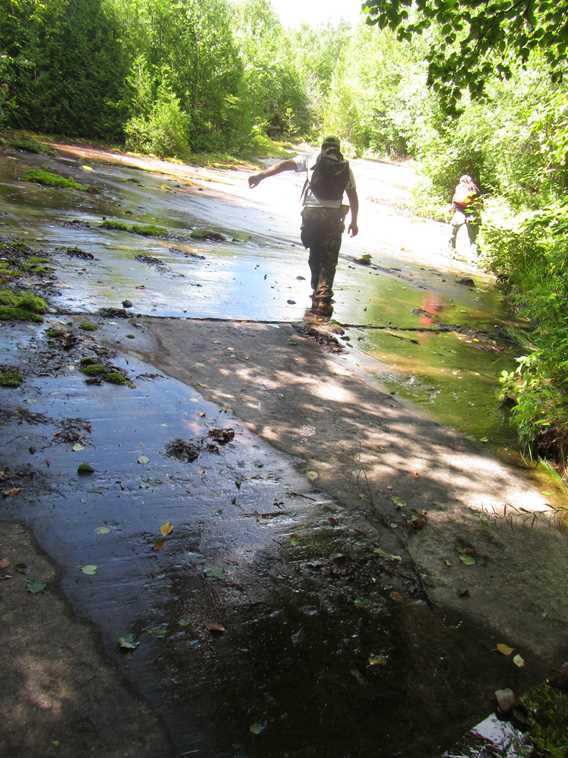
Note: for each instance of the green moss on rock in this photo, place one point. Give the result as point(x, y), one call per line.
point(146, 230)
point(88, 326)
point(10, 377)
point(30, 145)
point(94, 369)
point(50, 179)
point(21, 306)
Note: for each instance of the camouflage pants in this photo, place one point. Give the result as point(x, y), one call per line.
point(321, 233)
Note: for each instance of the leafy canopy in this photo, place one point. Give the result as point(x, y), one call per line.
point(469, 40)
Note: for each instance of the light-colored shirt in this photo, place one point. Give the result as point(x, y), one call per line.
point(304, 164)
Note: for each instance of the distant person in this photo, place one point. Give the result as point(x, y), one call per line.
point(464, 206)
point(323, 214)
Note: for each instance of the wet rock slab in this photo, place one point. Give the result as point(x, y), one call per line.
point(60, 695)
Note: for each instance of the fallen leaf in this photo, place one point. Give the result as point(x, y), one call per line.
point(396, 596)
point(35, 585)
point(398, 501)
point(102, 530)
point(89, 569)
point(143, 459)
point(519, 661)
point(387, 556)
point(77, 447)
point(216, 628)
point(467, 560)
point(158, 545)
point(4, 563)
point(128, 642)
point(184, 621)
point(378, 660)
point(419, 520)
point(503, 649)
point(166, 528)
point(258, 727)
point(12, 492)
point(312, 475)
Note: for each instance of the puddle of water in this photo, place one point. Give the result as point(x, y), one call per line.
point(453, 376)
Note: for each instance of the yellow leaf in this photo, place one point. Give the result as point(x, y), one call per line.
point(503, 649)
point(166, 528)
point(519, 661)
point(312, 475)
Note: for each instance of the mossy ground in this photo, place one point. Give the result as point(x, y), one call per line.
point(50, 179)
point(147, 230)
point(88, 326)
point(93, 368)
point(30, 145)
point(21, 306)
point(10, 377)
point(17, 259)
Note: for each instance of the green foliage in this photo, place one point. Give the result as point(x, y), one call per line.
point(272, 95)
point(163, 132)
point(529, 252)
point(514, 141)
point(468, 40)
point(50, 179)
point(63, 65)
point(378, 99)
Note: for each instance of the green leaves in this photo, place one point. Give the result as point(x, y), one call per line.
point(493, 32)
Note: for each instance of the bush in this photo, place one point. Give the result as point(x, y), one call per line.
point(164, 132)
point(529, 254)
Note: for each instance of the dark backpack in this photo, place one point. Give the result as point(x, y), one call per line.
point(330, 176)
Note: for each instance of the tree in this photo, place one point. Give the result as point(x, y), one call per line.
point(470, 40)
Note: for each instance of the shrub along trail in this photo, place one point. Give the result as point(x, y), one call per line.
point(244, 524)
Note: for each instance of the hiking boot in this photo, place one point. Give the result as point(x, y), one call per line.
point(323, 309)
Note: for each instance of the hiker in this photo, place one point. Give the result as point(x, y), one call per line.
point(323, 214)
point(464, 211)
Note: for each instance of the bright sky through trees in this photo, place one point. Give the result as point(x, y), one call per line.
point(294, 12)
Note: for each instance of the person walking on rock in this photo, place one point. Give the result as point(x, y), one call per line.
point(323, 214)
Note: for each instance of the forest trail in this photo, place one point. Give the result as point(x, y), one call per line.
point(329, 538)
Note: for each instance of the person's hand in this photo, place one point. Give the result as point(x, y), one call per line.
point(254, 180)
point(353, 229)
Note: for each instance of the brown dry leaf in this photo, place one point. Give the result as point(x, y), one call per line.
point(166, 528)
point(12, 492)
point(158, 545)
point(396, 596)
point(419, 520)
point(503, 648)
point(216, 628)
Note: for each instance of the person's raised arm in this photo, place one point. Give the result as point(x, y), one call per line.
point(354, 206)
point(277, 168)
